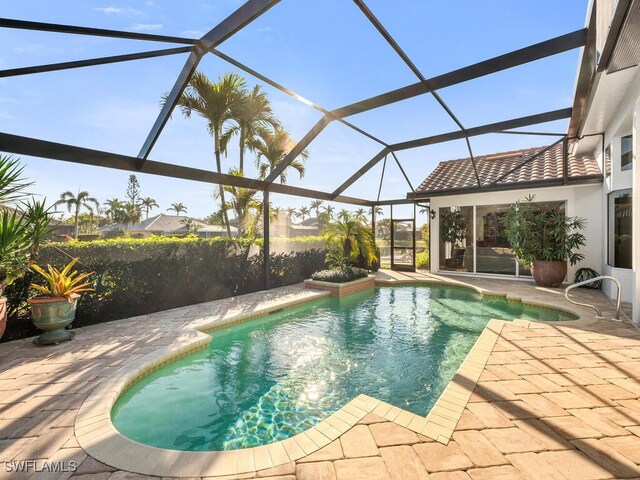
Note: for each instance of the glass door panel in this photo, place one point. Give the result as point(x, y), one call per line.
point(403, 245)
point(493, 253)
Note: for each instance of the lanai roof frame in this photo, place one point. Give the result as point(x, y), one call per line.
point(244, 15)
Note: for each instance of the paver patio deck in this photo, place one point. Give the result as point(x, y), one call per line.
point(553, 401)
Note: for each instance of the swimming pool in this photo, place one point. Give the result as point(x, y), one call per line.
point(270, 378)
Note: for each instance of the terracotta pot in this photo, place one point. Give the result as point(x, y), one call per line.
point(549, 274)
point(3, 315)
point(52, 315)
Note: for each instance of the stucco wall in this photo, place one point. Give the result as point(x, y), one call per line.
point(624, 122)
point(583, 201)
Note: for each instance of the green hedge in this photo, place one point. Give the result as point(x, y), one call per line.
point(422, 260)
point(140, 276)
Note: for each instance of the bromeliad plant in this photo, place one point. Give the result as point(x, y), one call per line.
point(56, 309)
point(65, 283)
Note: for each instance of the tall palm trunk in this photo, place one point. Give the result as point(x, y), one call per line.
point(77, 223)
point(225, 215)
point(242, 150)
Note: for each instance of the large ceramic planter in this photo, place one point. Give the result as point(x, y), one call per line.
point(52, 315)
point(549, 274)
point(3, 315)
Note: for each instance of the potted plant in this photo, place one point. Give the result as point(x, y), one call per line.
point(56, 307)
point(454, 230)
point(24, 225)
point(544, 239)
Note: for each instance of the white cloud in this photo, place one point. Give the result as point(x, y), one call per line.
point(146, 27)
point(108, 10)
point(192, 33)
point(33, 48)
point(36, 48)
point(118, 10)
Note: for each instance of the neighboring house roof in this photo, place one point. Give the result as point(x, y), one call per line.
point(164, 223)
point(310, 221)
point(459, 174)
point(304, 227)
point(216, 229)
point(112, 227)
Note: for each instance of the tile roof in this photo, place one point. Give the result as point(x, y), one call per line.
point(459, 174)
point(164, 223)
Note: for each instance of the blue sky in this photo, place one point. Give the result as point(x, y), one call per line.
point(325, 50)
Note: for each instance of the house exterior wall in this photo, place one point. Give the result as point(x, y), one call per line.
point(625, 121)
point(580, 200)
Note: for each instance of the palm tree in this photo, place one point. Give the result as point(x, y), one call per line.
point(273, 147)
point(178, 208)
point(291, 213)
point(328, 209)
point(114, 207)
point(82, 200)
point(129, 213)
point(303, 212)
point(189, 223)
point(252, 114)
point(243, 203)
point(361, 215)
point(148, 203)
point(216, 103)
point(344, 215)
point(275, 211)
point(351, 240)
point(315, 205)
point(379, 211)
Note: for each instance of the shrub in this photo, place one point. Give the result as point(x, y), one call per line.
point(422, 260)
point(340, 275)
point(140, 276)
point(114, 234)
point(351, 242)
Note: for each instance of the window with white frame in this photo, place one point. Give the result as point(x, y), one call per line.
point(620, 229)
point(626, 152)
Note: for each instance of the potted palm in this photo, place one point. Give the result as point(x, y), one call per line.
point(56, 307)
point(24, 225)
point(544, 239)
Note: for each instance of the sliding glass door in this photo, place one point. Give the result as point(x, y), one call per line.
point(472, 239)
point(493, 253)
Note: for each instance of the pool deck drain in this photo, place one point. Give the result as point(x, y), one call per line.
point(531, 400)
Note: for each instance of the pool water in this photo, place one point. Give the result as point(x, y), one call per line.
point(271, 378)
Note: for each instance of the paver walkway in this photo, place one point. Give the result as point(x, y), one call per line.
point(553, 402)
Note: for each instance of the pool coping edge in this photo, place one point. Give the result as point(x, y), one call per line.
point(97, 435)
